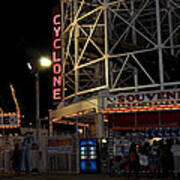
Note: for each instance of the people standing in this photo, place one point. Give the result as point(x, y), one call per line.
point(133, 161)
point(170, 164)
point(143, 157)
point(16, 159)
point(165, 159)
point(26, 165)
point(153, 158)
point(175, 149)
point(159, 158)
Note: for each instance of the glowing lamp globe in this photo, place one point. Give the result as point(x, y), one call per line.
point(45, 62)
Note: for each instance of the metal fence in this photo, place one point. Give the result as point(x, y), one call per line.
point(62, 159)
point(6, 149)
point(43, 159)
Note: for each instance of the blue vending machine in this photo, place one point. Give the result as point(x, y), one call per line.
point(89, 159)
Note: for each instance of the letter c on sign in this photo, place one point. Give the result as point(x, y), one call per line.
point(55, 20)
point(55, 43)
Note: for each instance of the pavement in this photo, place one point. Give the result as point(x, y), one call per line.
point(69, 177)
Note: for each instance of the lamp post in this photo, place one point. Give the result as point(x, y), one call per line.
point(42, 62)
point(38, 123)
point(45, 63)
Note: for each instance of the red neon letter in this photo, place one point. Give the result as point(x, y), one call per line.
point(57, 68)
point(57, 94)
point(121, 99)
point(55, 20)
point(57, 31)
point(54, 55)
point(130, 98)
point(139, 97)
point(57, 81)
point(55, 43)
point(150, 96)
point(171, 95)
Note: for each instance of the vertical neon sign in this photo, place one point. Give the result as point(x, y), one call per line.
point(57, 66)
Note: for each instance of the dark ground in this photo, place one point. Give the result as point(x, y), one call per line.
point(71, 177)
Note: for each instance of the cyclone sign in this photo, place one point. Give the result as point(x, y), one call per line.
point(56, 58)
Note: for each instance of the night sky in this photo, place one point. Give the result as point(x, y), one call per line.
point(27, 36)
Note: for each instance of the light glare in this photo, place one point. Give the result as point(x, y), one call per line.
point(29, 66)
point(45, 62)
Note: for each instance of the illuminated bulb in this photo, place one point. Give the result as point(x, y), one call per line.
point(29, 66)
point(45, 62)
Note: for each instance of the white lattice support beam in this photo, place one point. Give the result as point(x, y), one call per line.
point(128, 27)
point(106, 42)
point(143, 69)
point(90, 36)
point(160, 54)
point(120, 72)
point(92, 41)
point(170, 26)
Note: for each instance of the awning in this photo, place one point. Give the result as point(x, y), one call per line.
point(75, 109)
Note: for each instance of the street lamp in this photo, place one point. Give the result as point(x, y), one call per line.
point(43, 62)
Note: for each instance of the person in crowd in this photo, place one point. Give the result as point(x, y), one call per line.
point(26, 165)
point(153, 158)
point(175, 149)
point(164, 159)
point(159, 158)
point(170, 165)
point(143, 157)
point(16, 158)
point(133, 161)
point(147, 149)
